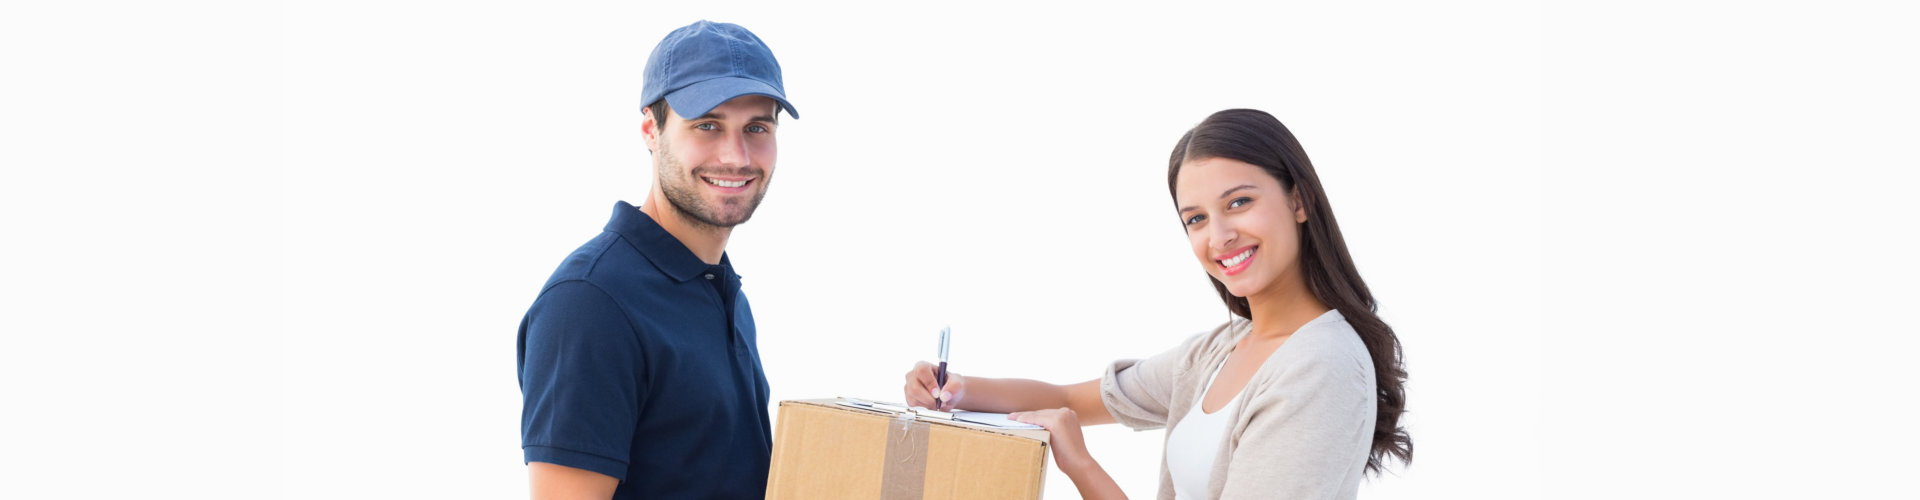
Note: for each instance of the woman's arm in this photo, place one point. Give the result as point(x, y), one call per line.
point(1004, 395)
point(1070, 452)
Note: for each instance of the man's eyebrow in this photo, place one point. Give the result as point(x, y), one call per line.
point(1229, 192)
point(769, 118)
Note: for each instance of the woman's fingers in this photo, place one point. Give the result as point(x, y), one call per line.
point(1063, 429)
point(920, 385)
point(1048, 418)
point(923, 386)
point(950, 393)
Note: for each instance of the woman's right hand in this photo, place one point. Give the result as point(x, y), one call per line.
point(923, 386)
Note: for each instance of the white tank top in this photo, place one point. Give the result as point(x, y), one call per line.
point(1192, 445)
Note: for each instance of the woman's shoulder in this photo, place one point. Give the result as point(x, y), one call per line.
point(1328, 343)
point(1206, 347)
point(1219, 339)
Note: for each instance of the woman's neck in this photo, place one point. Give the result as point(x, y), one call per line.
point(1284, 307)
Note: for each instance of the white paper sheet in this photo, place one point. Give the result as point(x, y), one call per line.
point(992, 419)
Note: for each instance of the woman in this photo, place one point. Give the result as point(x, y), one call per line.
point(1296, 396)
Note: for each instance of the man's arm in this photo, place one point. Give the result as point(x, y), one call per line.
point(559, 482)
point(581, 398)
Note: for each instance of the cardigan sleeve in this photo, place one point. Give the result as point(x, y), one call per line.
point(1309, 433)
point(1139, 392)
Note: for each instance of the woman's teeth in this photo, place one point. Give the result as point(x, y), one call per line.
point(1237, 259)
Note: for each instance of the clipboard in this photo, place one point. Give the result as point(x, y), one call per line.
point(997, 421)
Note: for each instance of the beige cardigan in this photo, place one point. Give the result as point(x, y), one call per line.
point(1304, 424)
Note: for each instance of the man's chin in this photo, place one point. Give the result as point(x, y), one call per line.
point(735, 211)
point(726, 220)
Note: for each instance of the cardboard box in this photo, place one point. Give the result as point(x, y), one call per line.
point(826, 450)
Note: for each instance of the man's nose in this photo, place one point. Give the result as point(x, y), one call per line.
point(733, 150)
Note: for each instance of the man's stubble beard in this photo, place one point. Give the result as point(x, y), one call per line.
point(676, 183)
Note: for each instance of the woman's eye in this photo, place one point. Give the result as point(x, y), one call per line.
point(1239, 201)
point(1195, 219)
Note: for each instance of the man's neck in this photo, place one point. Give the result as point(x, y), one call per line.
point(707, 242)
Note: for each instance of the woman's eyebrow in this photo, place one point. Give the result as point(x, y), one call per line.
point(1229, 192)
point(1237, 188)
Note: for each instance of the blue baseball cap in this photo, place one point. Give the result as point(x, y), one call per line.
point(706, 63)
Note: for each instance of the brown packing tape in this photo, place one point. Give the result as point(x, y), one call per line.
point(905, 471)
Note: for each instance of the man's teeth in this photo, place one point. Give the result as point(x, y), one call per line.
point(1237, 259)
point(724, 184)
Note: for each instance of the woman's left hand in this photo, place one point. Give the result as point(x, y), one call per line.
point(1063, 427)
point(1070, 452)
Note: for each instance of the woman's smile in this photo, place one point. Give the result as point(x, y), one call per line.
point(1236, 262)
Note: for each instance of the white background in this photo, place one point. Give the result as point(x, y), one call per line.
point(1653, 249)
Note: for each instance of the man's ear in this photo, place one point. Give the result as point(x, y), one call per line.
point(650, 128)
point(1299, 206)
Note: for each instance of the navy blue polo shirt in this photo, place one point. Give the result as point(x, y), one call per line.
point(638, 361)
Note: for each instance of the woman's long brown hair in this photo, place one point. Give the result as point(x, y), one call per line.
point(1257, 138)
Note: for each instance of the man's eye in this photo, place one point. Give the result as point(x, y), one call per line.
point(758, 129)
point(1195, 219)
point(1239, 201)
point(706, 126)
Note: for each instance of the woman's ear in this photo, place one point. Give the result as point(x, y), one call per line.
point(1299, 206)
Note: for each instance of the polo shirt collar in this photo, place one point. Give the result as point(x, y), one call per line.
point(659, 246)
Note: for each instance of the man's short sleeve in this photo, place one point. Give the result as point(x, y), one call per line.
point(580, 380)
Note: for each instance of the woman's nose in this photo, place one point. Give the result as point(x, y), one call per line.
point(1224, 236)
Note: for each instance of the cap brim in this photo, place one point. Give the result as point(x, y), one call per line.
point(699, 98)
